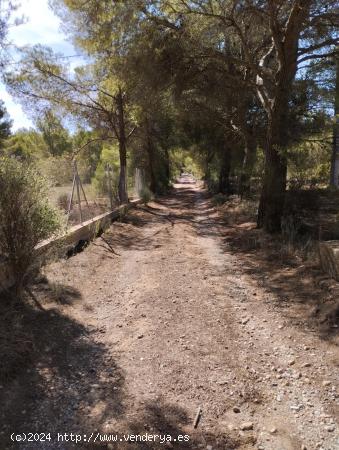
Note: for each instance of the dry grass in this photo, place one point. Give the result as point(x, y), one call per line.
point(239, 210)
point(56, 191)
point(290, 247)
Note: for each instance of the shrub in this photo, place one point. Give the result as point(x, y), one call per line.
point(219, 199)
point(145, 195)
point(58, 171)
point(63, 201)
point(290, 226)
point(26, 218)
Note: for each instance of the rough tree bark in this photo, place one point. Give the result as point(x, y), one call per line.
point(334, 181)
point(207, 169)
point(285, 42)
point(150, 153)
point(248, 162)
point(122, 187)
point(272, 200)
point(167, 166)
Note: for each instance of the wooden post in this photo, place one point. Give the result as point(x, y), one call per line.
point(71, 198)
point(78, 189)
point(110, 193)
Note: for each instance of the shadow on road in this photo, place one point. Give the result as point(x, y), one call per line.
point(55, 373)
point(168, 422)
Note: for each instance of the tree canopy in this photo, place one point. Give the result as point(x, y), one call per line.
point(223, 79)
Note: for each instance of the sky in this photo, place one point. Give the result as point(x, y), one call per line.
point(41, 26)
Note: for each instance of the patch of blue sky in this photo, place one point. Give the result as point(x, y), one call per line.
point(41, 26)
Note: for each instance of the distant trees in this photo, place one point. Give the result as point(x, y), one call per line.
point(26, 145)
point(112, 34)
point(90, 95)
point(5, 123)
point(54, 134)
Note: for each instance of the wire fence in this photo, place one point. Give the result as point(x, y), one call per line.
point(80, 195)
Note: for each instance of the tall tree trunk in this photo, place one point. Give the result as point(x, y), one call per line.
point(167, 166)
point(153, 180)
point(334, 181)
point(207, 169)
point(274, 96)
point(248, 162)
point(272, 200)
point(150, 154)
point(224, 172)
point(122, 188)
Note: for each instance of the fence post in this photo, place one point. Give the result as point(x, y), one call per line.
point(109, 180)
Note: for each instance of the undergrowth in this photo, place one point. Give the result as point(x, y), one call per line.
point(292, 245)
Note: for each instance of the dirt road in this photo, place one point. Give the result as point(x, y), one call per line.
point(159, 318)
